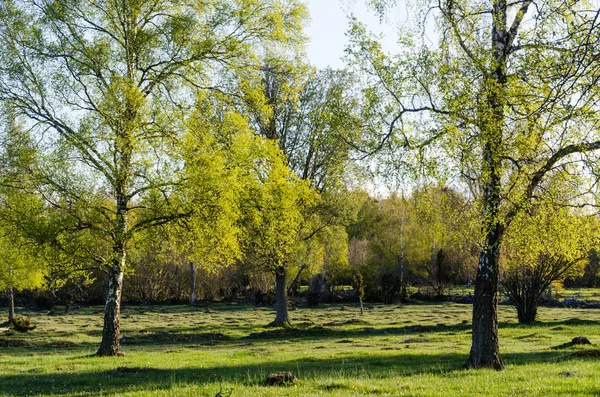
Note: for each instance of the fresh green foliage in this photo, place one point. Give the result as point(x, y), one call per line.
point(548, 244)
point(21, 263)
point(23, 324)
point(403, 237)
point(20, 267)
point(275, 202)
point(502, 98)
point(554, 232)
point(105, 86)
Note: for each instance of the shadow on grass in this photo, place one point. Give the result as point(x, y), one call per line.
point(201, 307)
point(123, 379)
point(320, 332)
point(41, 345)
point(195, 335)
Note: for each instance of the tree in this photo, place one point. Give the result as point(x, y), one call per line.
point(359, 287)
point(398, 247)
point(274, 218)
point(504, 97)
point(591, 270)
point(309, 115)
point(547, 243)
point(107, 82)
point(448, 223)
point(20, 268)
point(405, 236)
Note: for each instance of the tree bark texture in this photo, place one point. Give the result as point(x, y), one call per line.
point(192, 282)
point(11, 305)
point(282, 317)
point(112, 313)
point(485, 350)
point(112, 327)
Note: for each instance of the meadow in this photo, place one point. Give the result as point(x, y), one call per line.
point(204, 349)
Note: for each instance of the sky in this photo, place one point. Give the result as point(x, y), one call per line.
point(329, 23)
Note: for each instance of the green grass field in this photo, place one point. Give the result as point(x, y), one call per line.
point(586, 294)
point(412, 350)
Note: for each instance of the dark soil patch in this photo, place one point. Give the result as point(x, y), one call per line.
point(353, 321)
point(581, 340)
point(130, 370)
point(280, 379)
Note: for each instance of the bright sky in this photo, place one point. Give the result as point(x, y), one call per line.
point(329, 24)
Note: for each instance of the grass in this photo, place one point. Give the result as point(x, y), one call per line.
point(412, 350)
point(586, 294)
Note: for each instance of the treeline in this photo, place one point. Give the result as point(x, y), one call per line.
point(428, 241)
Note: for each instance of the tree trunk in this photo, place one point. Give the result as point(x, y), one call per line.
point(485, 351)
point(192, 282)
point(112, 312)
point(527, 304)
point(282, 317)
point(527, 312)
point(292, 286)
point(11, 305)
point(112, 327)
point(361, 306)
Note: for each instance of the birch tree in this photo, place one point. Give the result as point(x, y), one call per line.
point(503, 95)
point(102, 84)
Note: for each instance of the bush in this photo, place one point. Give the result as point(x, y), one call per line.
point(281, 379)
point(42, 301)
point(525, 285)
point(23, 324)
point(259, 298)
point(390, 288)
point(313, 298)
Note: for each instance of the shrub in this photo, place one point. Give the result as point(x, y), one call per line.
point(281, 379)
point(390, 288)
point(259, 298)
point(23, 324)
point(525, 285)
point(313, 298)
